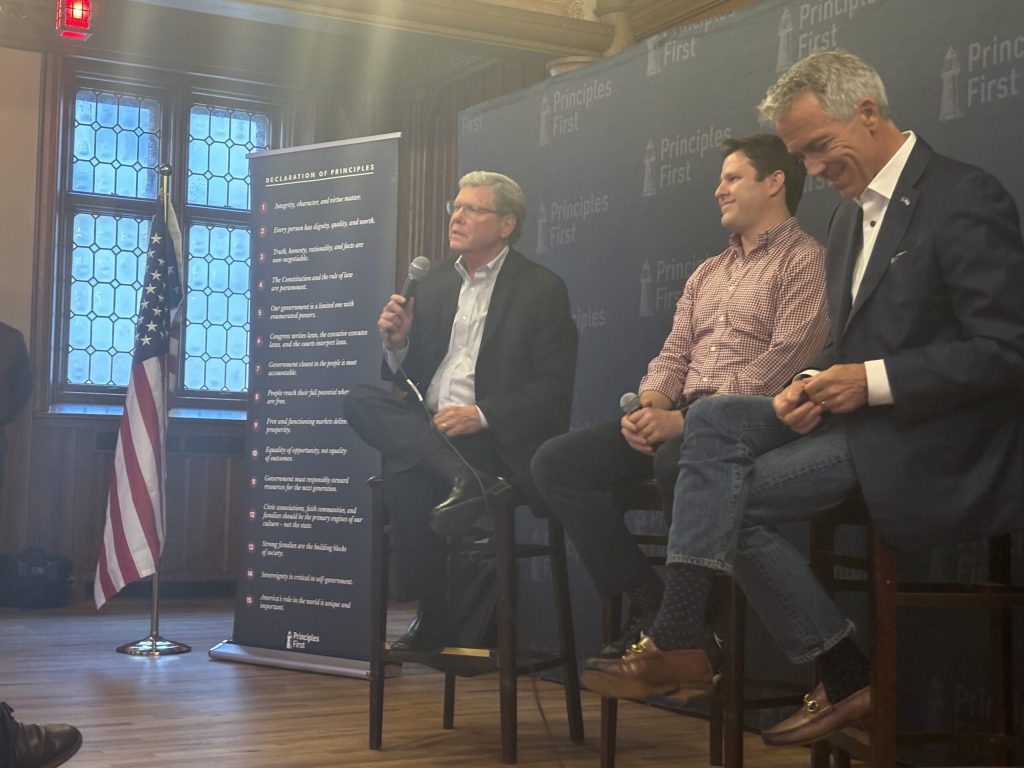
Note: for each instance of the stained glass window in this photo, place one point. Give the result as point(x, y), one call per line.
point(118, 137)
point(116, 144)
point(108, 259)
point(217, 326)
point(219, 140)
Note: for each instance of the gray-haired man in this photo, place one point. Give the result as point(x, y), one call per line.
point(916, 402)
point(489, 341)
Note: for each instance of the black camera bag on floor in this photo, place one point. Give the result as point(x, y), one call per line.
point(35, 579)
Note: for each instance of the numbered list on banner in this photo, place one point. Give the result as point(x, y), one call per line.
point(323, 254)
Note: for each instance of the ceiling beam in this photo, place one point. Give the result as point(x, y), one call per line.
point(468, 20)
point(652, 16)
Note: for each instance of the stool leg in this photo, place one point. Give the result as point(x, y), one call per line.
point(567, 638)
point(716, 734)
point(883, 653)
point(733, 676)
point(505, 583)
point(821, 754)
point(1000, 571)
point(448, 710)
point(611, 620)
point(609, 727)
point(379, 556)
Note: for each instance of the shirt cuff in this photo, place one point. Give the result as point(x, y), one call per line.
point(879, 391)
point(806, 373)
point(483, 419)
point(395, 358)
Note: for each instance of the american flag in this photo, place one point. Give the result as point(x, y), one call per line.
point(133, 537)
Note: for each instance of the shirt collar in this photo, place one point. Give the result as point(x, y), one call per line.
point(767, 238)
point(884, 183)
point(488, 270)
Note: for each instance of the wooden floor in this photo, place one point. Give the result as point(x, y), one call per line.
point(60, 666)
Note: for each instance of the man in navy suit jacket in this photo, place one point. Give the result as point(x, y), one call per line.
point(916, 402)
point(490, 345)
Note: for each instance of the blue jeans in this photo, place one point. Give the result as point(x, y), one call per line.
point(742, 472)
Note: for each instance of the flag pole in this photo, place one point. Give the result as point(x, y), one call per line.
point(154, 644)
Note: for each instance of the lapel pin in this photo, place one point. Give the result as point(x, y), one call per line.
point(905, 200)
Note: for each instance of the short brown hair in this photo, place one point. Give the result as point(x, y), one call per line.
point(768, 154)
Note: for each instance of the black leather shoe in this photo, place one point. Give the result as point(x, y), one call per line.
point(38, 746)
point(466, 503)
point(427, 632)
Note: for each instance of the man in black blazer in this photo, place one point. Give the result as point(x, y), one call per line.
point(917, 401)
point(15, 383)
point(489, 344)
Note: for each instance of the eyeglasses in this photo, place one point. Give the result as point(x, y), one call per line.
point(472, 210)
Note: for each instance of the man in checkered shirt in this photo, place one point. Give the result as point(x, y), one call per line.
point(748, 320)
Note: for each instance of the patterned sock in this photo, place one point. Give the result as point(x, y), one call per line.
point(645, 598)
point(844, 670)
point(680, 621)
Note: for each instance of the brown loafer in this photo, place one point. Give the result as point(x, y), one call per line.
point(818, 718)
point(639, 645)
point(646, 671)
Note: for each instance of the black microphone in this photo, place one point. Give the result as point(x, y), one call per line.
point(630, 402)
point(418, 269)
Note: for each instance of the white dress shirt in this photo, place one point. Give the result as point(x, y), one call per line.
point(874, 202)
point(454, 382)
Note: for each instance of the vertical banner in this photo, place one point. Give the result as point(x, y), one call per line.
point(323, 259)
point(619, 161)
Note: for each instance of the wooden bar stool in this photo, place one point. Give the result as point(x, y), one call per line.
point(887, 593)
point(505, 657)
point(728, 702)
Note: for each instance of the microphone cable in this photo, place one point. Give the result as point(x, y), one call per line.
point(447, 441)
point(535, 680)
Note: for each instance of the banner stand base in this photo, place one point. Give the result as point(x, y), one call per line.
point(229, 650)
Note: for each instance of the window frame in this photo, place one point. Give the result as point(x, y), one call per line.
point(176, 92)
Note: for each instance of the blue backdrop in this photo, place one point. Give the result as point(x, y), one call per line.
point(619, 161)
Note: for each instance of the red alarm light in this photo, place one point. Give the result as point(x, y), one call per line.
point(73, 18)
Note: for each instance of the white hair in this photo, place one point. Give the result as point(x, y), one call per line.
point(508, 196)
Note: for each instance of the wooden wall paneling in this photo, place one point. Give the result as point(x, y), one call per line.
point(53, 476)
point(231, 553)
point(182, 505)
point(94, 463)
point(207, 533)
point(70, 473)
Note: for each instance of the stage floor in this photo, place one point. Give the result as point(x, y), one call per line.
point(183, 711)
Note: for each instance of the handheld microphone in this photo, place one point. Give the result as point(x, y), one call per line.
point(630, 402)
point(418, 269)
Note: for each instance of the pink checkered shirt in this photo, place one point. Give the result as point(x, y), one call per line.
point(746, 324)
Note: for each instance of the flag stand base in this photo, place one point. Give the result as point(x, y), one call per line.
point(154, 645)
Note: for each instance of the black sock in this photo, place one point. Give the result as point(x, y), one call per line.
point(680, 621)
point(844, 670)
point(432, 605)
point(645, 598)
